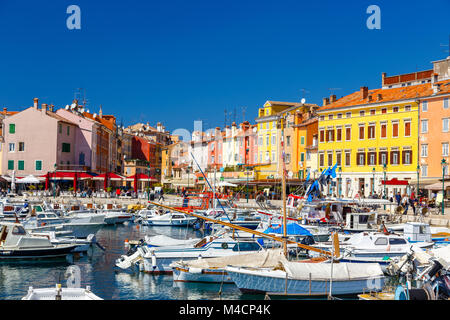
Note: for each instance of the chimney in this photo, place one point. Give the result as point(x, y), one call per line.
point(370, 97)
point(52, 108)
point(5, 110)
point(383, 77)
point(36, 101)
point(332, 98)
point(44, 108)
point(326, 101)
point(100, 112)
point(233, 124)
point(364, 92)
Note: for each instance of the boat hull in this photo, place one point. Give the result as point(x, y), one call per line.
point(36, 253)
point(203, 275)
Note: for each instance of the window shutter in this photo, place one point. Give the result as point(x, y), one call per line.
point(403, 157)
point(357, 159)
point(332, 135)
point(391, 156)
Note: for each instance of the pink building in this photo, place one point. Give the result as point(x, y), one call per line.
point(215, 145)
point(248, 146)
point(85, 137)
point(35, 140)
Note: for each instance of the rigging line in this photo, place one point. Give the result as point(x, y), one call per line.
point(207, 181)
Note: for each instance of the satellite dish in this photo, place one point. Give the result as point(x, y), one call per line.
point(67, 107)
point(303, 100)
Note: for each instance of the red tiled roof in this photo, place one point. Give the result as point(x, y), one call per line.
point(388, 95)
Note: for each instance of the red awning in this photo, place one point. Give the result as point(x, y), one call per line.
point(395, 182)
point(140, 176)
point(111, 176)
point(67, 175)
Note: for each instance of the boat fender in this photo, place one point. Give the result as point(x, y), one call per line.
point(153, 261)
point(195, 270)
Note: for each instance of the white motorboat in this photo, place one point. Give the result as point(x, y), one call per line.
point(17, 243)
point(158, 260)
point(59, 293)
point(170, 219)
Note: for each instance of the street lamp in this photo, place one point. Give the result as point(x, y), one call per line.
point(373, 182)
point(417, 191)
point(340, 181)
point(54, 183)
point(443, 164)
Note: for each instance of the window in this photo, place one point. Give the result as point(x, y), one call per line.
point(66, 147)
point(330, 159)
point(12, 128)
point(330, 117)
point(321, 118)
point(445, 125)
point(302, 140)
point(274, 139)
point(10, 164)
point(372, 158)
point(381, 241)
point(288, 157)
point(424, 171)
point(424, 150)
point(407, 157)
point(407, 128)
point(339, 115)
point(383, 157)
point(21, 165)
point(383, 130)
point(68, 130)
point(371, 131)
point(395, 241)
point(321, 159)
point(60, 128)
point(395, 109)
point(348, 133)
point(273, 156)
point(384, 110)
point(260, 142)
point(322, 136)
point(347, 158)
point(308, 155)
point(21, 146)
point(338, 159)
point(425, 106)
point(408, 108)
point(288, 141)
point(395, 129)
point(424, 126)
point(361, 132)
point(348, 115)
point(339, 134)
point(19, 231)
point(12, 147)
point(361, 113)
point(445, 149)
point(330, 135)
point(372, 112)
point(267, 140)
point(446, 103)
point(360, 158)
point(302, 157)
point(395, 157)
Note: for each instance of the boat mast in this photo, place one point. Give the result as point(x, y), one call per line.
point(283, 187)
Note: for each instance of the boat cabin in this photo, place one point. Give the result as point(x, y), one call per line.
point(14, 236)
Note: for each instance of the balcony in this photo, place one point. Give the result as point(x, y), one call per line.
point(73, 167)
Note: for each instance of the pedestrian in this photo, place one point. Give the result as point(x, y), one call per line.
point(161, 195)
point(412, 200)
point(117, 192)
point(398, 198)
point(405, 203)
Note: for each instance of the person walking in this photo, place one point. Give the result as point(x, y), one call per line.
point(405, 203)
point(398, 198)
point(161, 195)
point(412, 201)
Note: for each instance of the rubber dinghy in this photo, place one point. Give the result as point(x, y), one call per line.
point(309, 279)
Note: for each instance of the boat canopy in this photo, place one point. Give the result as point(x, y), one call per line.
point(341, 271)
point(291, 229)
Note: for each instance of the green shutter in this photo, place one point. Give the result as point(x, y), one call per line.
point(66, 147)
point(38, 165)
point(12, 128)
point(302, 140)
point(302, 157)
point(21, 165)
point(10, 164)
point(68, 130)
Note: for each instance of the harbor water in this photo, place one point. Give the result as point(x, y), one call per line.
point(96, 270)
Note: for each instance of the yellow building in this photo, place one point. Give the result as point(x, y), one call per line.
point(365, 132)
point(269, 138)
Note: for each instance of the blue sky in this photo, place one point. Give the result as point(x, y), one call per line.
point(180, 61)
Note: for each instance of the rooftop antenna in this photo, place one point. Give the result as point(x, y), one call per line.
point(225, 121)
point(334, 89)
point(243, 113)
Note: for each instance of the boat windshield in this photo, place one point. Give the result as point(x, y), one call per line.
point(246, 246)
point(18, 231)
